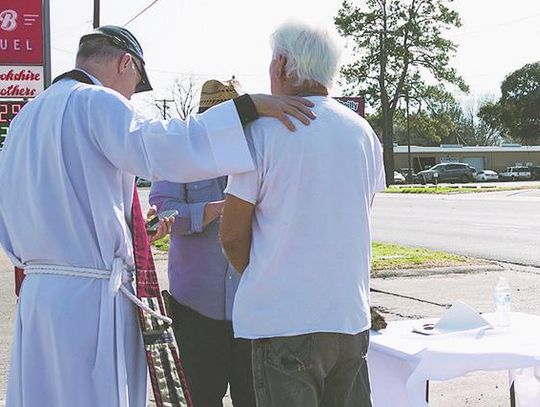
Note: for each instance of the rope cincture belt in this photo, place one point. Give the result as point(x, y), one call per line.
point(118, 277)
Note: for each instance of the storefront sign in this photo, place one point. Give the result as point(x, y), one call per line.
point(356, 104)
point(20, 81)
point(21, 32)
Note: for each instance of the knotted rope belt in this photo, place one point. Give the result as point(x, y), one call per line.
point(118, 277)
point(157, 334)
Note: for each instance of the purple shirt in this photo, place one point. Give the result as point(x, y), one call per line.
point(200, 277)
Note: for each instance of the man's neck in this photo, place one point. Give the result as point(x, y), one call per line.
point(96, 72)
point(313, 90)
point(92, 77)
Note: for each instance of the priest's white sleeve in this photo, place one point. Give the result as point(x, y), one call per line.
point(201, 147)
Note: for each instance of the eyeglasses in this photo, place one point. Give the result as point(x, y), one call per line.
point(139, 71)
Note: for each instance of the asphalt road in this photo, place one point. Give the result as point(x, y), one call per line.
point(503, 226)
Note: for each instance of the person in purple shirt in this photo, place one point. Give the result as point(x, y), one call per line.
point(203, 283)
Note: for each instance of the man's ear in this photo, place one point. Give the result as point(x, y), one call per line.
point(126, 61)
point(281, 67)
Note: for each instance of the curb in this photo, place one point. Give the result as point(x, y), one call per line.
point(477, 268)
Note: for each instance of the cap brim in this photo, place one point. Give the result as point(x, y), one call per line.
point(144, 84)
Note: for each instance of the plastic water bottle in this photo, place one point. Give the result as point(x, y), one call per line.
point(502, 302)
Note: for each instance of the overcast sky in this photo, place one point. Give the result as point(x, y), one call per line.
point(217, 38)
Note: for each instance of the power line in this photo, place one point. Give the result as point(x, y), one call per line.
point(141, 12)
point(185, 74)
point(63, 50)
point(496, 26)
point(177, 72)
point(201, 75)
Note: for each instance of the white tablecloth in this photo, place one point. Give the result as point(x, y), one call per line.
point(401, 361)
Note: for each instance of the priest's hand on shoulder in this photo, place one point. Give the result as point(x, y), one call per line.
point(281, 107)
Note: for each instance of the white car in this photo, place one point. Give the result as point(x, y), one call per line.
point(399, 178)
point(515, 173)
point(141, 182)
point(486, 175)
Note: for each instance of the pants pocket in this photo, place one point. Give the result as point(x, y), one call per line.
point(289, 354)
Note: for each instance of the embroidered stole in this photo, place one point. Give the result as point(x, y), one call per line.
point(166, 373)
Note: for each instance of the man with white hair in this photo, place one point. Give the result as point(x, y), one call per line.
point(298, 227)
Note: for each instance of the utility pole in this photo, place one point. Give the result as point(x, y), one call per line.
point(409, 171)
point(387, 139)
point(96, 14)
point(164, 108)
point(46, 12)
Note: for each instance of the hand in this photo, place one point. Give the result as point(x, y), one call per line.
point(152, 211)
point(282, 106)
point(164, 225)
point(212, 210)
point(163, 229)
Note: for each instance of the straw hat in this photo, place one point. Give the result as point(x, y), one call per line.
point(214, 92)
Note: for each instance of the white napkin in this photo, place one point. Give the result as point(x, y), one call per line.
point(459, 317)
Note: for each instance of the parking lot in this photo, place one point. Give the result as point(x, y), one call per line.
point(464, 173)
point(485, 184)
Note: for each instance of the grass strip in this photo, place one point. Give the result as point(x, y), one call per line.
point(456, 189)
point(395, 257)
point(389, 256)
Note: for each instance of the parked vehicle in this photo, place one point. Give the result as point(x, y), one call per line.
point(406, 172)
point(141, 182)
point(486, 175)
point(399, 178)
point(447, 172)
point(535, 172)
point(515, 173)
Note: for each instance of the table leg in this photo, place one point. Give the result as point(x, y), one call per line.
point(512, 396)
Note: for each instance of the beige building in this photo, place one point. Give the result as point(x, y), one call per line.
point(495, 158)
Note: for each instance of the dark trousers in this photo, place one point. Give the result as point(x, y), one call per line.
point(312, 370)
point(212, 359)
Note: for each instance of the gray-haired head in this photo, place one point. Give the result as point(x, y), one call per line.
point(313, 53)
point(111, 41)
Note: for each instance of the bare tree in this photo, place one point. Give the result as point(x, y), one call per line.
point(185, 94)
point(476, 131)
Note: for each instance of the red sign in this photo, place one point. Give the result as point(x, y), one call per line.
point(20, 81)
point(356, 103)
point(21, 35)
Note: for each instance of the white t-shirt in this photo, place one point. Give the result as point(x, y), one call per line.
point(311, 244)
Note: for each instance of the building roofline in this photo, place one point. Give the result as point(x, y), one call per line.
point(467, 149)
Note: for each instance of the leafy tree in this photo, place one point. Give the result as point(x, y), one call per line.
point(432, 119)
point(438, 118)
point(398, 44)
point(517, 113)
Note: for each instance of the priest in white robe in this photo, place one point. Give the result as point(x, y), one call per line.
point(67, 178)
